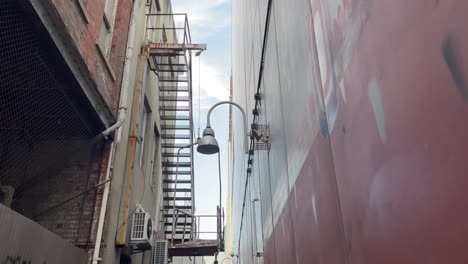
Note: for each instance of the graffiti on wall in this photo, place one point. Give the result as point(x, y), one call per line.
point(337, 26)
point(19, 260)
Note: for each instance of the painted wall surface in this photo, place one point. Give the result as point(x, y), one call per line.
point(367, 103)
point(24, 241)
point(146, 182)
point(147, 179)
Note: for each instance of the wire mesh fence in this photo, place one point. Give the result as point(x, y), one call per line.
point(48, 148)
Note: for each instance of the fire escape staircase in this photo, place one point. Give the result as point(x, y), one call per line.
point(172, 63)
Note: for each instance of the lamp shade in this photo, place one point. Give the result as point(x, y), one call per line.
point(208, 144)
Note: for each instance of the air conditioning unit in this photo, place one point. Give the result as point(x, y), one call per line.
point(142, 230)
point(160, 252)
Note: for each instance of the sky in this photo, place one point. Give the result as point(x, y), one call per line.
point(210, 24)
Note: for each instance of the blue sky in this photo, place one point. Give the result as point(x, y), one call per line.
point(210, 23)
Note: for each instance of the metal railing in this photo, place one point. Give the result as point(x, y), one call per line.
point(193, 232)
point(184, 227)
point(155, 19)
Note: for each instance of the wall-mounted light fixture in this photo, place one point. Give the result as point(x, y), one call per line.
point(208, 144)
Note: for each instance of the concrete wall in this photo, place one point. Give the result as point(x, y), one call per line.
point(24, 241)
point(367, 106)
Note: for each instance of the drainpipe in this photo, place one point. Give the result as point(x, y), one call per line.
point(102, 214)
point(116, 127)
point(105, 195)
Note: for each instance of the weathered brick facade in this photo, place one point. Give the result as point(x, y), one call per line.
point(84, 31)
point(49, 149)
point(119, 41)
point(50, 204)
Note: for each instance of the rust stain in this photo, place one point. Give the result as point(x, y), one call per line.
point(132, 144)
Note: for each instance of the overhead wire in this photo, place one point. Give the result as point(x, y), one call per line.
point(255, 117)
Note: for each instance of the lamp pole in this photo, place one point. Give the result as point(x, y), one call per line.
point(175, 188)
point(209, 145)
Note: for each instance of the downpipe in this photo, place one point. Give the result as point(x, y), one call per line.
point(116, 127)
point(105, 195)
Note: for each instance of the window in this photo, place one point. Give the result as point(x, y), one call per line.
point(107, 27)
point(145, 120)
point(153, 156)
point(147, 151)
point(109, 9)
point(82, 7)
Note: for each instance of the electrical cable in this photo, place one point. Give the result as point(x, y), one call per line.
point(220, 186)
point(71, 198)
point(220, 200)
point(255, 117)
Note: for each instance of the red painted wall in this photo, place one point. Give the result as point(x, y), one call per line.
point(367, 103)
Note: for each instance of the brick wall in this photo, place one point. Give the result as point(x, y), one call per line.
point(75, 219)
point(121, 27)
point(85, 36)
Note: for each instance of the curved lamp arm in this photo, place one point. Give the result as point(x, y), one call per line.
point(246, 144)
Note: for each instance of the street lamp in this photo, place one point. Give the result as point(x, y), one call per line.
point(208, 144)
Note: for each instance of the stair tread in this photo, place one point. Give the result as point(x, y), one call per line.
point(178, 198)
point(181, 155)
point(174, 146)
point(180, 172)
point(178, 181)
point(174, 98)
point(176, 136)
point(172, 117)
point(177, 190)
point(174, 164)
point(175, 127)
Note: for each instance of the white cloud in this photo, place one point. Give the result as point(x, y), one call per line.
point(214, 85)
point(209, 18)
point(205, 16)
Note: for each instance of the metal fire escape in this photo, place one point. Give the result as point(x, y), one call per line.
point(170, 58)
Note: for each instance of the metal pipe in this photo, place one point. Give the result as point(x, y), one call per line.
point(175, 186)
point(220, 228)
point(117, 126)
point(208, 124)
point(219, 178)
point(102, 213)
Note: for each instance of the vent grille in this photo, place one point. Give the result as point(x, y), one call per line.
point(138, 229)
point(160, 251)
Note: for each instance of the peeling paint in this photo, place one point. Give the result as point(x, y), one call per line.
point(342, 89)
point(314, 207)
point(376, 99)
point(295, 197)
